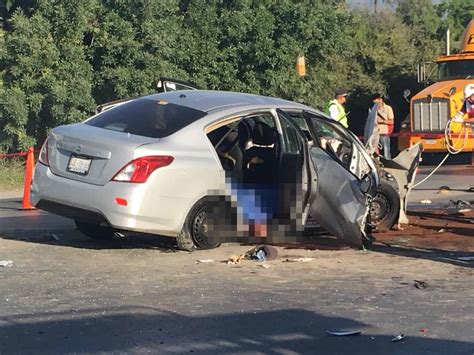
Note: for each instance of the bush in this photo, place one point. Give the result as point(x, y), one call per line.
point(12, 172)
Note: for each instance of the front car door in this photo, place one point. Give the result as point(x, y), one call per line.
point(342, 178)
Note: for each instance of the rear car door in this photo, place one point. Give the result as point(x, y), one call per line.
point(343, 179)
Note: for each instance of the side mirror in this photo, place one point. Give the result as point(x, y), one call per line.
point(365, 184)
point(160, 87)
point(406, 94)
point(421, 73)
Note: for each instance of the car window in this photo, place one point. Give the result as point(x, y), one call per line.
point(232, 140)
point(146, 117)
point(298, 118)
point(291, 138)
point(332, 140)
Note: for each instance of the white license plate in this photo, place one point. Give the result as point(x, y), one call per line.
point(430, 141)
point(79, 165)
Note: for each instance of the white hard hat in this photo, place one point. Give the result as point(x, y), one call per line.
point(468, 90)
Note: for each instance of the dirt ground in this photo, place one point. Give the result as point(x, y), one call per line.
point(65, 293)
point(437, 229)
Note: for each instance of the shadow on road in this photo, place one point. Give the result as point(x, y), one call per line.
point(439, 255)
point(74, 239)
point(44, 228)
point(138, 329)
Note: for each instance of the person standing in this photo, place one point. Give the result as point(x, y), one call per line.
point(336, 108)
point(385, 122)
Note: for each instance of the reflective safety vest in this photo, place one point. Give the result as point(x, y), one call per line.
point(341, 116)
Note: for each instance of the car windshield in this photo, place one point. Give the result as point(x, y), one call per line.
point(456, 69)
point(146, 117)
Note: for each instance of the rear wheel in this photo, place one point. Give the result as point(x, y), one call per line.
point(95, 231)
point(200, 230)
point(385, 207)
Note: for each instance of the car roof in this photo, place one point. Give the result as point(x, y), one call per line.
point(209, 100)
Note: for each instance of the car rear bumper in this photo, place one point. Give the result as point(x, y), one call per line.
point(145, 210)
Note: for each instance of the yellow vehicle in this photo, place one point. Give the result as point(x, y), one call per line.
point(432, 108)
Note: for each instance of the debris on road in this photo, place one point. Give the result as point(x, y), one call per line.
point(462, 206)
point(466, 258)
point(54, 236)
point(398, 338)
point(262, 253)
point(424, 330)
point(343, 333)
point(441, 229)
point(204, 261)
point(397, 227)
point(235, 259)
point(265, 266)
point(444, 189)
point(298, 260)
point(420, 284)
point(6, 263)
point(425, 202)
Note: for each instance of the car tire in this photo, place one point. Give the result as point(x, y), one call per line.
point(385, 207)
point(95, 231)
point(194, 233)
point(185, 241)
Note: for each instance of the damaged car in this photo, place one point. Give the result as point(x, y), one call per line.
point(396, 176)
point(190, 164)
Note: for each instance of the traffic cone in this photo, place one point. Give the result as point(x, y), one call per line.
point(30, 166)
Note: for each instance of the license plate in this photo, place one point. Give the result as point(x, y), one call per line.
point(430, 141)
point(79, 165)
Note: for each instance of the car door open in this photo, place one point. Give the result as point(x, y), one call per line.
point(343, 178)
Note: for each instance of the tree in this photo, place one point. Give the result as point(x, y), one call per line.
point(46, 76)
point(131, 44)
point(455, 15)
point(422, 18)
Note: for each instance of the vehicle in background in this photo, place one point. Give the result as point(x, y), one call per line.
point(433, 107)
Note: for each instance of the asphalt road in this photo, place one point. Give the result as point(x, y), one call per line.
point(65, 293)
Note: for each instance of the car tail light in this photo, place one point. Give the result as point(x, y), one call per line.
point(138, 170)
point(43, 155)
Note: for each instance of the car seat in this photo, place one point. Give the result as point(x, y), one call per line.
point(259, 163)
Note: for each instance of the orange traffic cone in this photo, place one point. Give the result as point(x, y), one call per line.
point(30, 166)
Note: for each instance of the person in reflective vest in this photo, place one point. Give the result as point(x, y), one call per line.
point(336, 109)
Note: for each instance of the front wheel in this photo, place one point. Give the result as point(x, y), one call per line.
point(385, 207)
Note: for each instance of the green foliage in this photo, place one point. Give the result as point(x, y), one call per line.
point(59, 58)
point(47, 79)
point(422, 19)
point(456, 14)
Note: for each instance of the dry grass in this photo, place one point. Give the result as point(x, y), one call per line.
point(11, 174)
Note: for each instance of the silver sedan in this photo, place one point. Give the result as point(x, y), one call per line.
point(204, 167)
